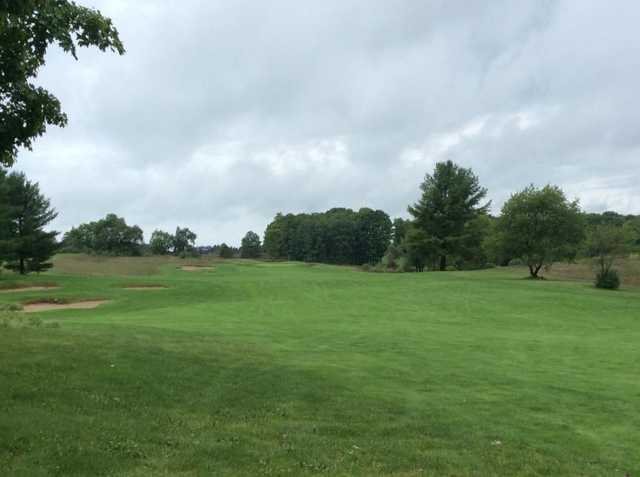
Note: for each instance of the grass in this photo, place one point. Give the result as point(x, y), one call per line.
point(285, 369)
point(92, 265)
point(629, 270)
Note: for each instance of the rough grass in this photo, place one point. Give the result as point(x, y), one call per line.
point(10, 282)
point(628, 268)
point(81, 264)
point(285, 369)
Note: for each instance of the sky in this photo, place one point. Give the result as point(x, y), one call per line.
point(224, 113)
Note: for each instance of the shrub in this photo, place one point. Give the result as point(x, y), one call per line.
point(608, 279)
point(10, 307)
point(404, 265)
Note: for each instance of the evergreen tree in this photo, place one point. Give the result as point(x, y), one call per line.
point(400, 228)
point(25, 246)
point(450, 200)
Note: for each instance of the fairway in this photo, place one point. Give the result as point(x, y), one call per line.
point(255, 368)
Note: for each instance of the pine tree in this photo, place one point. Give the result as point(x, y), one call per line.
point(25, 246)
point(450, 201)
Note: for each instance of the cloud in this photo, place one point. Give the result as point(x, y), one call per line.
point(222, 114)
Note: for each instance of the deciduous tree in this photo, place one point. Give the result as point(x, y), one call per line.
point(604, 244)
point(225, 251)
point(373, 235)
point(109, 236)
point(183, 241)
point(161, 242)
point(27, 29)
point(251, 247)
point(541, 226)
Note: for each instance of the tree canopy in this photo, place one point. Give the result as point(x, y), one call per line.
point(450, 201)
point(224, 251)
point(339, 236)
point(541, 226)
point(27, 29)
point(161, 243)
point(108, 236)
point(184, 241)
point(400, 229)
point(251, 246)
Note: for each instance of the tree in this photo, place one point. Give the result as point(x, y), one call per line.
point(472, 254)
point(373, 236)
point(604, 244)
point(25, 245)
point(183, 241)
point(339, 236)
point(161, 243)
point(393, 258)
point(27, 28)
point(225, 251)
point(605, 218)
point(251, 247)
point(421, 249)
point(631, 229)
point(400, 227)
point(110, 236)
point(541, 226)
point(493, 245)
point(450, 200)
point(274, 238)
point(5, 219)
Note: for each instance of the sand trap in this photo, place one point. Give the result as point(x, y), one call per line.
point(195, 268)
point(81, 305)
point(146, 287)
point(26, 289)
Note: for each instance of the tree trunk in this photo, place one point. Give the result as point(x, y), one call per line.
point(443, 263)
point(22, 270)
point(533, 270)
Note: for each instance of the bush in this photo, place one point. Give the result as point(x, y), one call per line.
point(608, 279)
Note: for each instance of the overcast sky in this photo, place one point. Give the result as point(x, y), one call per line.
point(223, 113)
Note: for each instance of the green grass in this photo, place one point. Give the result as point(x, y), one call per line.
point(289, 369)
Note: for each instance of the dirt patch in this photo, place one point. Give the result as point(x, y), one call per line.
point(145, 287)
point(47, 306)
point(27, 289)
point(196, 268)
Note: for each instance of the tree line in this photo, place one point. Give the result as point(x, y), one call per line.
point(338, 236)
point(113, 236)
point(450, 228)
point(25, 245)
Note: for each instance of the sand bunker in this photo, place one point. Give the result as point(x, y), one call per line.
point(146, 287)
point(195, 268)
point(26, 289)
point(81, 305)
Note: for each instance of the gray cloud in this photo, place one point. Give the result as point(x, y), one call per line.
point(223, 113)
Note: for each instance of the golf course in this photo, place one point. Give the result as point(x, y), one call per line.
point(244, 367)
